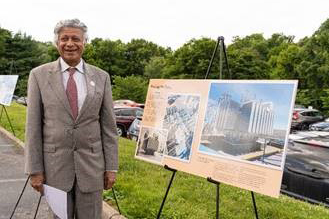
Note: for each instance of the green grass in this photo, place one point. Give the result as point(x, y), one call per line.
point(140, 188)
point(17, 116)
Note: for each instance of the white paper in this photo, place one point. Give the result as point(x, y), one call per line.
point(7, 88)
point(57, 200)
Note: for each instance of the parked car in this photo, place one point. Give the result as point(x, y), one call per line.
point(302, 118)
point(15, 97)
point(128, 103)
point(320, 126)
point(124, 118)
point(306, 171)
point(133, 131)
point(22, 100)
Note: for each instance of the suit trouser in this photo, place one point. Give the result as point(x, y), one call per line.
point(82, 205)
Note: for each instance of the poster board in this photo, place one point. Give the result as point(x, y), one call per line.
point(234, 131)
point(7, 88)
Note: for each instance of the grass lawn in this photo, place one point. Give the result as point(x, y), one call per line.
point(16, 113)
point(141, 186)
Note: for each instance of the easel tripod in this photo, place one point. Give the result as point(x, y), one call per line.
point(221, 45)
point(3, 109)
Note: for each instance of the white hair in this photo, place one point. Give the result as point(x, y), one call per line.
point(75, 23)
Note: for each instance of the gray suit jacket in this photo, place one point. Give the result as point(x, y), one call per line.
point(62, 147)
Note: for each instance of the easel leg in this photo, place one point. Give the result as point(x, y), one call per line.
point(12, 129)
point(19, 198)
point(221, 45)
point(168, 188)
point(1, 113)
point(36, 211)
point(217, 195)
point(212, 58)
point(254, 203)
point(116, 201)
point(217, 202)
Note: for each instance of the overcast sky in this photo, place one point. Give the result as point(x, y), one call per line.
point(167, 22)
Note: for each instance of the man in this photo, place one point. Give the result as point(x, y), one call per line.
point(71, 139)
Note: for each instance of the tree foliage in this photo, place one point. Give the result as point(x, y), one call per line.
point(191, 60)
point(131, 64)
point(133, 87)
point(19, 53)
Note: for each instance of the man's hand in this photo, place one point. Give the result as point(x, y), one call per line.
point(36, 181)
point(109, 179)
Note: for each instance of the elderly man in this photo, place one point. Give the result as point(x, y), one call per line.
point(71, 139)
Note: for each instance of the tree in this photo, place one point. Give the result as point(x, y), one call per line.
point(248, 57)
point(192, 60)
point(313, 68)
point(285, 64)
point(19, 54)
point(139, 52)
point(107, 55)
point(131, 87)
point(155, 67)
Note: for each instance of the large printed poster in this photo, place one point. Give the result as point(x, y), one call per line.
point(7, 88)
point(235, 132)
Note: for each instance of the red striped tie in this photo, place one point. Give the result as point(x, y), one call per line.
point(72, 93)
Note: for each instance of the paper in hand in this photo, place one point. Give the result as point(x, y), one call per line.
point(57, 200)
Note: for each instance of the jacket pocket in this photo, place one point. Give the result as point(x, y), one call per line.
point(96, 147)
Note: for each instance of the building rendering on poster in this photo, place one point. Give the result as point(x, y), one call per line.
point(180, 121)
point(247, 121)
point(235, 132)
point(7, 88)
point(152, 144)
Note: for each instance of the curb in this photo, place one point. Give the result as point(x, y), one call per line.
point(11, 137)
point(108, 211)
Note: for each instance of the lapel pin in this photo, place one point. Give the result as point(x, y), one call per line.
point(92, 83)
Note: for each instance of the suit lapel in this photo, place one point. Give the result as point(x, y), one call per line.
point(56, 83)
point(91, 87)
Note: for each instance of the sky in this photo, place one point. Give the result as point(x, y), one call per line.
point(280, 94)
point(169, 23)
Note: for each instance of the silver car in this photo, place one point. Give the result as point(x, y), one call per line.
point(302, 118)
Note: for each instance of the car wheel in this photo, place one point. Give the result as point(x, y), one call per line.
point(120, 131)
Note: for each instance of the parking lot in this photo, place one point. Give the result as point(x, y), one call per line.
point(306, 171)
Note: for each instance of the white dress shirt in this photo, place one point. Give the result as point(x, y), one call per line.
point(79, 77)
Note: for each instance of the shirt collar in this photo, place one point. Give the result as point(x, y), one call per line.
point(65, 66)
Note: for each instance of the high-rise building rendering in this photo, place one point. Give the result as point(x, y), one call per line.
point(250, 116)
point(227, 113)
point(256, 117)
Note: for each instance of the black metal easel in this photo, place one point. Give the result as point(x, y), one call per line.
point(222, 50)
point(19, 198)
point(116, 201)
point(218, 198)
point(168, 188)
point(3, 109)
point(217, 194)
point(37, 209)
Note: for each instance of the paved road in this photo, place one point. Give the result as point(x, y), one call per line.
point(12, 180)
